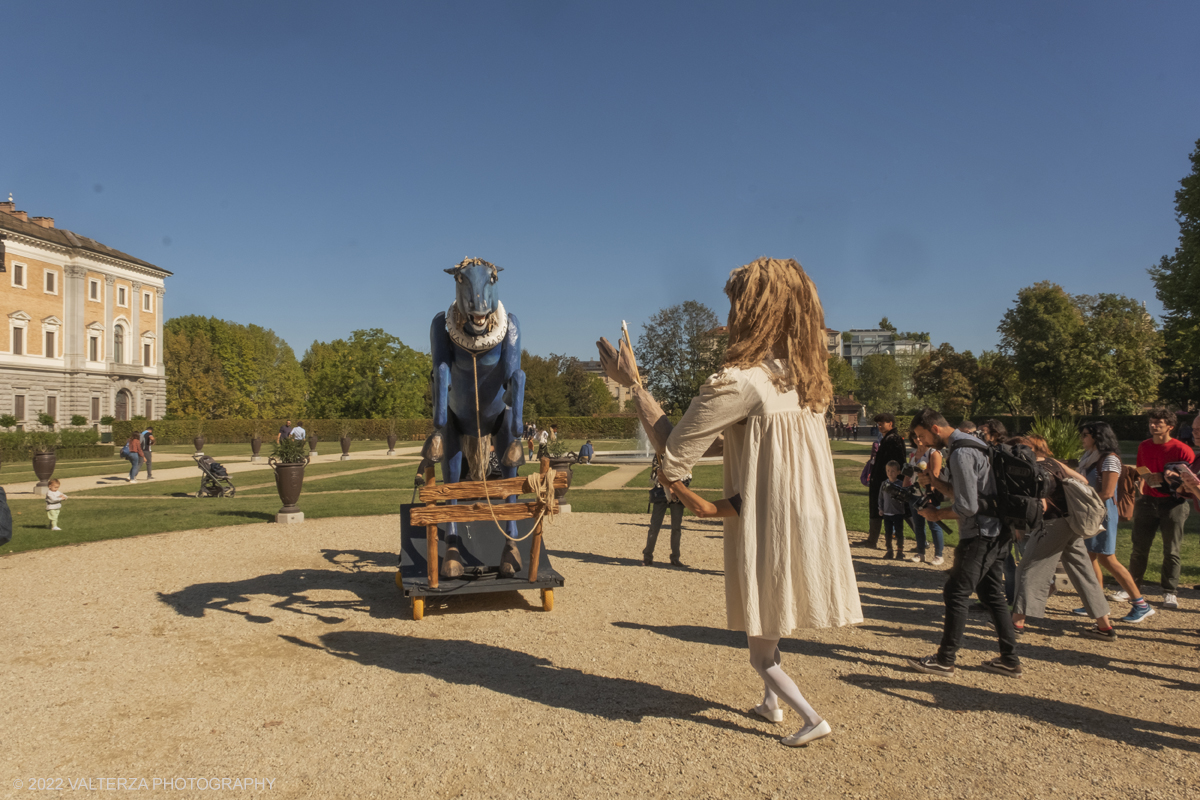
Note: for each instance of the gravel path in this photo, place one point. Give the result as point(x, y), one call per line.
point(286, 653)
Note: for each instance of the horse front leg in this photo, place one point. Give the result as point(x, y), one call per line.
point(505, 440)
point(452, 566)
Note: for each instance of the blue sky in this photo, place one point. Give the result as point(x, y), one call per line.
point(313, 167)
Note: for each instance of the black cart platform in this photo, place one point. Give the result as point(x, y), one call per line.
point(480, 547)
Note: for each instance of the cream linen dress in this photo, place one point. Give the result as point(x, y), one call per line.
point(787, 560)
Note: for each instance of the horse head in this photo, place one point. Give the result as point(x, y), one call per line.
point(475, 294)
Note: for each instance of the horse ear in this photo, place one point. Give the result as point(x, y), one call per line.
point(450, 271)
point(499, 269)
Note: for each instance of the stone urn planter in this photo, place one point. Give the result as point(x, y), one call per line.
point(199, 443)
point(562, 465)
point(313, 441)
point(289, 480)
point(43, 467)
point(345, 443)
point(391, 440)
point(255, 446)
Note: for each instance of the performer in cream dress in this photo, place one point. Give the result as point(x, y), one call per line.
point(787, 560)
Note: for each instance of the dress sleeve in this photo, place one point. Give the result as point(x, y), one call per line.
point(720, 404)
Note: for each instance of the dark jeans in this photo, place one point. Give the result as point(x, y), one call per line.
point(656, 521)
point(976, 569)
point(149, 459)
point(935, 530)
point(1150, 514)
point(893, 525)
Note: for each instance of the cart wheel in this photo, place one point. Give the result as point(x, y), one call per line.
point(418, 608)
point(547, 599)
point(399, 580)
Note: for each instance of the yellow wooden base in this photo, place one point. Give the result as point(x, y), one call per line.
point(399, 580)
point(418, 608)
point(547, 599)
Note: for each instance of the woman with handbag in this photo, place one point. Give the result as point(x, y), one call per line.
point(787, 561)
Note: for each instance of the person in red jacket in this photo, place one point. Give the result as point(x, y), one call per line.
point(135, 456)
point(1158, 507)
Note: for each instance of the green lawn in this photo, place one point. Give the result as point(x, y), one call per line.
point(219, 451)
point(704, 476)
point(859, 448)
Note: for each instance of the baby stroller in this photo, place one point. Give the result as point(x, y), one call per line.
point(214, 480)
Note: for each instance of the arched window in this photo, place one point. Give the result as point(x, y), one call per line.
point(119, 344)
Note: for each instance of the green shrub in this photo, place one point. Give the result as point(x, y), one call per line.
point(1061, 435)
point(8, 421)
point(107, 420)
point(45, 420)
point(78, 420)
point(289, 451)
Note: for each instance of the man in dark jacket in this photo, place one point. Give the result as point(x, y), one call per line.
point(891, 448)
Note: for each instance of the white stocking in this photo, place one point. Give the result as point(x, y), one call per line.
point(764, 657)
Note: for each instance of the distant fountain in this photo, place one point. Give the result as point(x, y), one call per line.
point(643, 442)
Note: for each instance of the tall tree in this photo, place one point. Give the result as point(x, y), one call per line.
point(545, 393)
point(998, 390)
point(1177, 284)
point(1043, 332)
point(842, 376)
point(880, 383)
point(680, 347)
point(886, 325)
point(947, 379)
point(372, 375)
point(586, 393)
point(1120, 358)
point(219, 369)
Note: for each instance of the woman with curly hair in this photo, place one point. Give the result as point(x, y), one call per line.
point(787, 560)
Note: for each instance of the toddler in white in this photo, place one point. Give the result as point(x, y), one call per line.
point(54, 500)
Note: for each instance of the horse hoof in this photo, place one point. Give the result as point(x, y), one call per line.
point(514, 456)
point(452, 564)
point(510, 562)
point(433, 449)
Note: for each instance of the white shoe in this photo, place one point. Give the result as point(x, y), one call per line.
point(804, 736)
point(1120, 595)
point(1170, 601)
point(769, 714)
point(132, 480)
point(56, 528)
point(938, 561)
point(918, 558)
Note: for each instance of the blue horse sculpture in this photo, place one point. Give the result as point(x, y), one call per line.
point(478, 393)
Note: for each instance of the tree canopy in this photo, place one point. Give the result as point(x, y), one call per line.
point(372, 375)
point(218, 369)
point(1177, 285)
point(842, 376)
point(680, 347)
point(947, 380)
point(881, 383)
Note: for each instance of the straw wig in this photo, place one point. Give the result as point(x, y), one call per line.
point(774, 313)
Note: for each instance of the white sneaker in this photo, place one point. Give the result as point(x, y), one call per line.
point(918, 558)
point(1170, 601)
point(56, 528)
point(132, 480)
point(1121, 595)
point(938, 561)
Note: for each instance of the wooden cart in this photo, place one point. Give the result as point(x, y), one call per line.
point(481, 541)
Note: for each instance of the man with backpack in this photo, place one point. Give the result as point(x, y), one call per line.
point(147, 438)
point(983, 543)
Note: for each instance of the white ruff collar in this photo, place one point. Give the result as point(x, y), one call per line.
point(497, 323)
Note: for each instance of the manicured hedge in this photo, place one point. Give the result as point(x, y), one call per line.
point(240, 431)
point(1125, 426)
point(21, 445)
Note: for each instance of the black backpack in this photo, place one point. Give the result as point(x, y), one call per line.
point(1021, 483)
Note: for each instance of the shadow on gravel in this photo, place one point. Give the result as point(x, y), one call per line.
point(525, 677)
point(357, 572)
point(959, 697)
point(618, 561)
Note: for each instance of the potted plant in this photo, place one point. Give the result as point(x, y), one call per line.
point(106, 421)
point(44, 456)
point(345, 440)
point(288, 462)
point(199, 440)
point(313, 441)
point(560, 462)
point(79, 420)
point(255, 442)
point(392, 427)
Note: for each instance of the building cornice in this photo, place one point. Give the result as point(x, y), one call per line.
point(78, 254)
